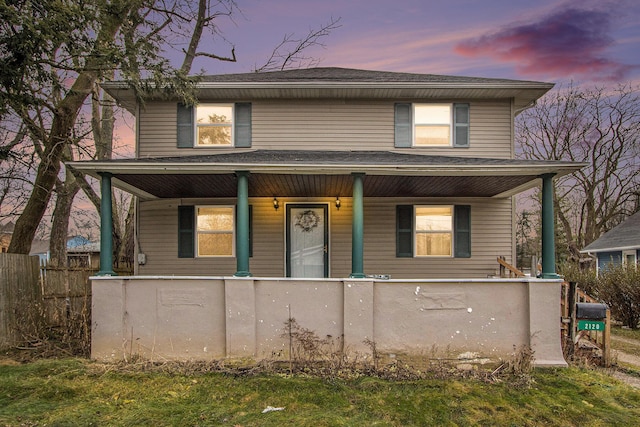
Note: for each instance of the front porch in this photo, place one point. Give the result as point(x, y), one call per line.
point(185, 306)
point(207, 318)
point(401, 178)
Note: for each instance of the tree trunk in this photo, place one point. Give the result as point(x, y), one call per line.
point(66, 192)
point(63, 122)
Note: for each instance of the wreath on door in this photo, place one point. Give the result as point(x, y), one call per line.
point(307, 220)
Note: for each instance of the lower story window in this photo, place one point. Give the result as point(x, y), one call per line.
point(434, 231)
point(215, 228)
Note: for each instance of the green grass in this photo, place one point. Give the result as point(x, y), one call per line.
point(76, 392)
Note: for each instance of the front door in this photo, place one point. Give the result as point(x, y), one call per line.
point(307, 240)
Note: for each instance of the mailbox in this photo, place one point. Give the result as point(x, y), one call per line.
point(590, 310)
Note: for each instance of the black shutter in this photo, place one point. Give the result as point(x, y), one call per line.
point(242, 113)
point(462, 231)
point(185, 126)
point(186, 231)
point(403, 126)
point(460, 125)
point(404, 231)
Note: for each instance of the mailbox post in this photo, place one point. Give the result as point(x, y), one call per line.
point(595, 317)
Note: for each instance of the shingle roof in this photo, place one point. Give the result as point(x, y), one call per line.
point(625, 235)
point(336, 74)
point(319, 157)
point(345, 83)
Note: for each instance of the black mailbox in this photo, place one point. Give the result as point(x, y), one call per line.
point(591, 310)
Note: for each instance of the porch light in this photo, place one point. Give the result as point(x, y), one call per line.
point(276, 203)
point(338, 202)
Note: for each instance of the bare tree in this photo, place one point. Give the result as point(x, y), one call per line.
point(56, 54)
point(597, 126)
point(291, 51)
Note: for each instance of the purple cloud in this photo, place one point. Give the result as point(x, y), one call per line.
point(568, 42)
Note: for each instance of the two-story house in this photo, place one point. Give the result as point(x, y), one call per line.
point(370, 205)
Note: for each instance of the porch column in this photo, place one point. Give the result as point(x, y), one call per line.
point(242, 225)
point(357, 234)
point(548, 233)
point(106, 226)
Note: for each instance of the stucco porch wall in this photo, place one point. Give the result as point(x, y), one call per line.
point(205, 318)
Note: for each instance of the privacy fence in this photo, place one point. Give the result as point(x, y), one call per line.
point(32, 295)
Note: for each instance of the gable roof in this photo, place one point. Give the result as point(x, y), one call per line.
point(625, 235)
point(347, 83)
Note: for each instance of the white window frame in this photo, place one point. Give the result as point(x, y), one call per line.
point(196, 140)
point(416, 232)
point(415, 124)
point(198, 232)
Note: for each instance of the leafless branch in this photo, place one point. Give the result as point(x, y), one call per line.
point(289, 53)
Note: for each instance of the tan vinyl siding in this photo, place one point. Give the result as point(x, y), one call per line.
point(491, 237)
point(330, 125)
point(158, 237)
point(157, 129)
point(490, 230)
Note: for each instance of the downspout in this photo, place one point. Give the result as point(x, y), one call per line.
point(526, 107)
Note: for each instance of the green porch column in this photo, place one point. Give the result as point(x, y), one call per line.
point(548, 233)
point(242, 225)
point(106, 226)
point(357, 234)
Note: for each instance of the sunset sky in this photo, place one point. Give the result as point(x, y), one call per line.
point(550, 40)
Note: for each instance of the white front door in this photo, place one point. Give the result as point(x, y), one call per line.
point(307, 240)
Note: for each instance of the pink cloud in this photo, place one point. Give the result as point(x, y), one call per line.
point(569, 42)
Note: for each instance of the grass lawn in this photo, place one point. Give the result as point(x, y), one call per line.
point(73, 392)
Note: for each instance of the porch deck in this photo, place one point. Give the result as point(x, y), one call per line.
point(207, 318)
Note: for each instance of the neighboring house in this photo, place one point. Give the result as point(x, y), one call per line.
point(316, 190)
point(81, 252)
point(620, 245)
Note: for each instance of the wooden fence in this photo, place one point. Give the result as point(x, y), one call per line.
point(20, 293)
point(32, 295)
point(67, 292)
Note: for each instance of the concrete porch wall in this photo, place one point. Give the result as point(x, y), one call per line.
point(205, 318)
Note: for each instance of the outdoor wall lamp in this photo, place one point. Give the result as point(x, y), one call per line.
point(276, 203)
point(338, 202)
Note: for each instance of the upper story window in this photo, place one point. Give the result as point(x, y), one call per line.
point(432, 125)
point(214, 125)
point(214, 230)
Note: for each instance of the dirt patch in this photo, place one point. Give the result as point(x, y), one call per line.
point(632, 380)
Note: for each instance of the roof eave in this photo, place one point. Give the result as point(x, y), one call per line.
point(523, 92)
point(94, 167)
point(610, 249)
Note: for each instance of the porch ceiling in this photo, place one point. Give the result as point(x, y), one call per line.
point(280, 185)
point(324, 174)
